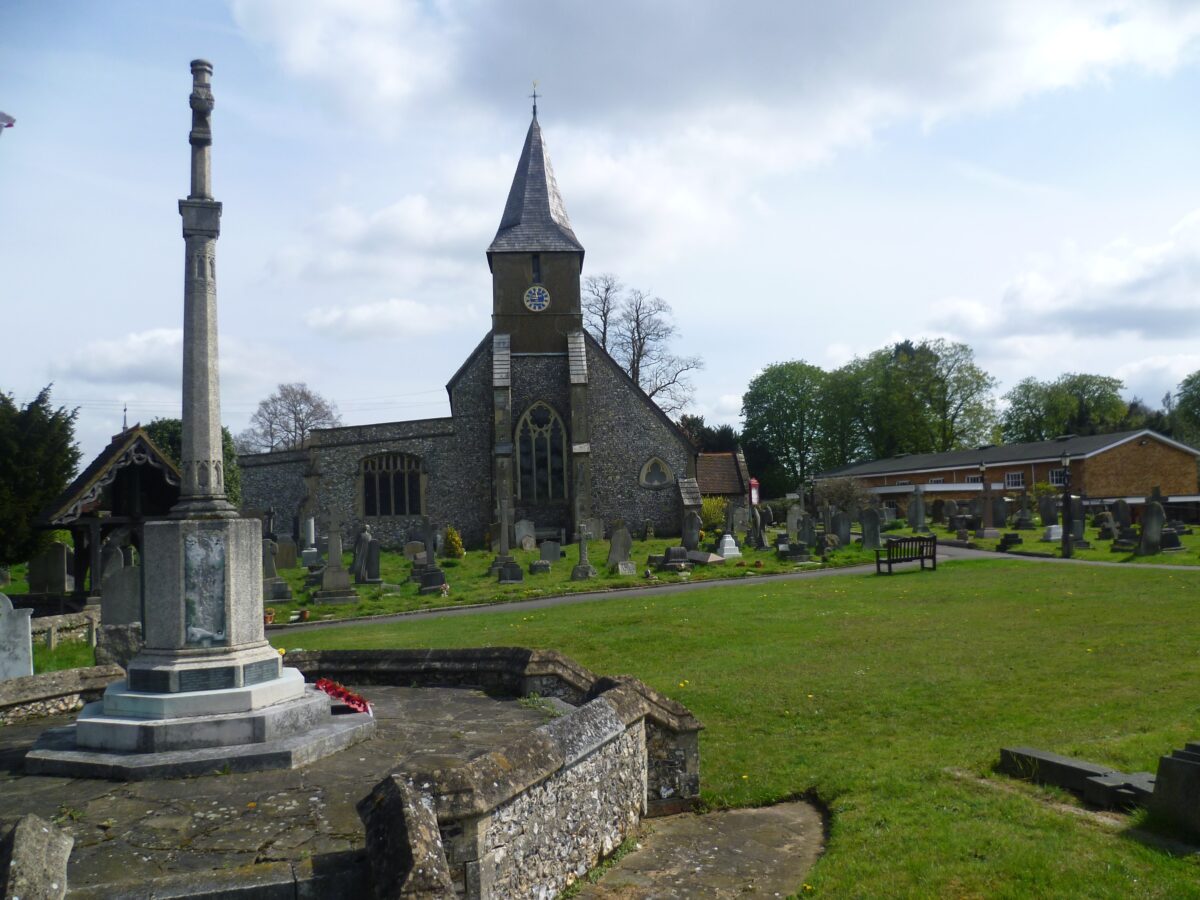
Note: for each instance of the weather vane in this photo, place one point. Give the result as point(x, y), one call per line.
point(534, 95)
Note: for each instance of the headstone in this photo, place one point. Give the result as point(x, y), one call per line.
point(916, 512)
point(539, 567)
point(121, 596)
point(358, 563)
point(373, 552)
point(584, 570)
point(1077, 529)
point(626, 567)
point(501, 564)
point(524, 528)
point(510, 572)
point(870, 528)
point(793, 521)
point(1053, 534)
point(647, 532)
point(741, 518)
point(755, 537)
point(806, 531)
point(1024, 514)
point(841, 527)
point(950, 509)
point(285, 553)
point(691, 530)
point(675, 559)
point(938, 509)
point(827, 511)
point(335, 580)
point(111, 560)
point(768, 514)
point(412, 549)
point(1048, 509)
point(999, 512)
point(620, 546)
point(595, 528)
point(268, 559)
point(975, 507)
point(48, 571)
point(728, 548)
point(432, 577)
point(1170, 540)
point(887, 514)
point(274, 587)
point(1153, 519)
point(16, 641)
point(1121, 513)
point(309, 535)
point(1106, 526)
point(551, 551)
point(1077, 514)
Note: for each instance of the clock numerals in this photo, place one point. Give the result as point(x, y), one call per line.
point(537, 298)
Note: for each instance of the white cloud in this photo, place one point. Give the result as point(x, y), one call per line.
point(152, 357)
point(391, 318)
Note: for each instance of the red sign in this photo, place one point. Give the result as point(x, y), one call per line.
point(754, 492)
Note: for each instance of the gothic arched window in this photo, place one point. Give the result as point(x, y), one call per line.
point(391, 484)
point(656, 474)
point(541, 443)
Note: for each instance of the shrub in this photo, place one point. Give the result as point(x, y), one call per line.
point(712, 512)
point(454, 544)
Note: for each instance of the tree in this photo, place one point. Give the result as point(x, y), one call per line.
point(847, 494)
point(640, 338)
point(781, 412)
point(840, 439)
point(1186, 410)
point(601, 299)
point(707, 439)
point(285, 419)
point(38, 458)
point(1074, 403)
point(955, 396)
point(167, 435)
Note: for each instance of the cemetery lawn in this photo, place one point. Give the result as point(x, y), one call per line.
point(471, 584)
point(889, 697)
point(67, 655)
point(1099, 551)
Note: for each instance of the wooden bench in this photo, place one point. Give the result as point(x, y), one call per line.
point(906, 549)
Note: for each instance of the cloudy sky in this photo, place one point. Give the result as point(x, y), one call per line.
point(799, 180)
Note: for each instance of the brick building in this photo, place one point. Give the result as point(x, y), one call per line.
point(1103, 467)
point(541, 415)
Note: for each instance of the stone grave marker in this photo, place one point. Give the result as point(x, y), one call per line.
point(620, 546)
point(1048, 510)
point(1024, 514)
point(950, 509)
point(999, 512)
point(768, 514)
point(938, 509)
point(285, 553)
point(594, 527)
point(841, 528)
point(358, 562)
point(728, 548)
point(806, 530)
point(916, 510)
point(413, 549)
point(1152, 527)
point(335, 580)
point(793, 521)
point(121, 596)
point(1121, 513)
point(551, 551)
point(691, 530)
point(48, 571)
point(16, 641)
point(373, 552)
point(522, 529)
point(111, 560)
point(432, 576)
point(870, 528)
point(584, 570)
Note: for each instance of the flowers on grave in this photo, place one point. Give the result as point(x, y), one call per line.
point(269, 615)
point(344, 695)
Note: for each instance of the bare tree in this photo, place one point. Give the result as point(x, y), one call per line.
point(601, 301)
point(285, 419)
point(641, 336)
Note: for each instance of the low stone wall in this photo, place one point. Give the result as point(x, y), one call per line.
point(79, 626)
point(529, 818)
point(53, 693)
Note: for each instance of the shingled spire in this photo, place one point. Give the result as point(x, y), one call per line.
point(535, 219)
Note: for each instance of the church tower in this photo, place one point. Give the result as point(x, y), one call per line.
point(539, 367)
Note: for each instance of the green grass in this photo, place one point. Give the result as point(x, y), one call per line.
point(67, 655)
point(1100, 551)
point(18, 580)
point(871, 692)
point(471, 584)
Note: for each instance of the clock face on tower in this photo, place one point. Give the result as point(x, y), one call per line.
point(537, 298)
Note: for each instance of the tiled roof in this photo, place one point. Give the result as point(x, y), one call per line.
point(719, 473)
point(1000, 454)
point(535, 218)
point(689, 492)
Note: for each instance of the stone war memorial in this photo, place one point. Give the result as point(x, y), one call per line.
point(422, 773)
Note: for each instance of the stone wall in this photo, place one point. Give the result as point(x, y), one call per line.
point(53, 693)
point(627, 430)
point(275, 479)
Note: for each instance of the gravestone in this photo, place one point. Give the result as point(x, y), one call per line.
point(675, 559)
point(1152, 527)
point(358, 562)
point(793, 521)
point(594, 527)
point(951, 509)
point(887, 514)
point(1121, 513)
point(121, 596)
point(1052, 534)
point(727, 548)
point(768, 514)
point(413, 549)
point(1170, 540)
point(584, 570)
point(915, 513)
point(691, 530)
point(373, 552)
point(755, 536)
point(285, 553)
point(335, 580)
point(827, 511)
point(1024, 514)
point(551, 551)
point(539, 567)
point(806, 531)
point(432, 577)
point(938, 509)
point(841, 528)
point(504, 565)
point(522, 529)
point(975, 507)
point(111, 560)
point(16, 641)
point(1048, 509)
point(870, 528)
point(48, 571)
point(999, 512)
point(310, 555)
point(268, 559)
point(620, 546)
point(1106, 526)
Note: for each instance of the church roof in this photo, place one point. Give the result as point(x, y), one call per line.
point(535, 219)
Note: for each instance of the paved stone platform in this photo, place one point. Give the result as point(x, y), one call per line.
point(250, 826)
point(733, 853)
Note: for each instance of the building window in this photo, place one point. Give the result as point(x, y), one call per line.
point(1058, 476)
point(903, 482)
point(974, 479)
point(541, 443)
point(391, 485)
point(937, 481)
point(1014, 479)
point(655, 474)
point(537, 269)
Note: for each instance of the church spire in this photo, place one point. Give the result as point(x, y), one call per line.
point(535, 219)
